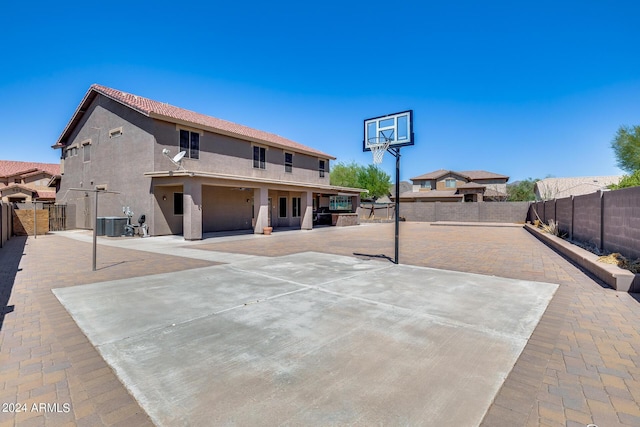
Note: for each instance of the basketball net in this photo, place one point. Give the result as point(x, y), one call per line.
point(378, 151)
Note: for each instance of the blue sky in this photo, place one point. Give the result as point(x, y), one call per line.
point(526, 89)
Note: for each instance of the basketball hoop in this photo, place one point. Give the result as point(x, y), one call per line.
point(378, 146)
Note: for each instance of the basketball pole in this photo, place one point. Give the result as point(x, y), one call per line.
point(396, 153)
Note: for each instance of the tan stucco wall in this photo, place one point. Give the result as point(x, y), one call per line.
point(226, 208)
point(228, 155)
point(164, 221)
point(118, 163)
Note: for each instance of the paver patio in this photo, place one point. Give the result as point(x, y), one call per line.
point(580, 366)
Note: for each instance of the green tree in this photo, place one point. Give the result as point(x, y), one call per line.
point(632, 180)
point(522, 191)
point(375, 180)
point(357, 176)
point(626, 146)
point(345, 175)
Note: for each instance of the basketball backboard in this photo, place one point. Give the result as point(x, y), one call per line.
point(397, 129)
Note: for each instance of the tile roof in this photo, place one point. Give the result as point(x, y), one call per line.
point(46, 194)
point(471, 185)
point(432, 175)
point(170, 113)
point(470, 175)
point(17, 186)
point(479, 174)
point(557, 188)
point(10, 168)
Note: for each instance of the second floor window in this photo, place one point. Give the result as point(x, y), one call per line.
point(190, 143)
point(259, 157)
point(288, 162)
point(322, 168)
point(450, 183)
point(425, 184)
point(86, 153)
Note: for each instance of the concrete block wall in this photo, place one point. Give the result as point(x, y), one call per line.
point(609, 220)
point(621, 225)
point(587, 218)
point(505, 212)
point(536, 211)
point(6, 223)
point(468, 212)
point(549, 211)
point(423, 212)
point(564, 215)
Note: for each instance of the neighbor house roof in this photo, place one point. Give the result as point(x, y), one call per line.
point(557, 188)
point(474, 175)
point(38, 194)
point(471, 185)
point(470, 175)
point(170, 113)
point(10, 168)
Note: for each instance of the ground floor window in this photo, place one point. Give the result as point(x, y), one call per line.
point(296, 207)
point(282, 212)
point(177, 204)
point(340, 203)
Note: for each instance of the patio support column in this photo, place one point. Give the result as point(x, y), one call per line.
point(261, 209)
point(192, 209)
point(306, 205)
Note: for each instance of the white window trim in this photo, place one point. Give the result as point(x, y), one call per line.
point(285, 161)
point(266, 148)
point(322, 173)
point(192, 130)
point(115, 133)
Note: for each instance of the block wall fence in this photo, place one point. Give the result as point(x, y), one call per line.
point(6, 222)
point(504, 212)
point(609, 220)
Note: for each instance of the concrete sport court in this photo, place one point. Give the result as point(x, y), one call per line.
point(310, 339)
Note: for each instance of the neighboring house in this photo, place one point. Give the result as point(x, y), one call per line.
point(27, 181)
point(231, 177)
point(452, 186)
point(405, 186)
point(557, 188)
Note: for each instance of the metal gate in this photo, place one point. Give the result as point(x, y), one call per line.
point(57, 217)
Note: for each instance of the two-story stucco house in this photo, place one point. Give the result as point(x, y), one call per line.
point(27, 181)
point(451, 186)
point(231, 176)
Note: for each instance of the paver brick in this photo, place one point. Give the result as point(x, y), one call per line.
point(581, 363)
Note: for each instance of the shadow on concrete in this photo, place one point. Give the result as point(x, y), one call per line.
point(10, 256)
